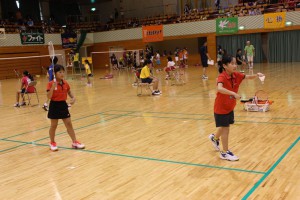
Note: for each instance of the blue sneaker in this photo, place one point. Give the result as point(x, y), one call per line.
point(228, 156)
point(214, 142)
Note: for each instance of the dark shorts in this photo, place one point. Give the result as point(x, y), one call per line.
point(23, 91)
point(224, 120)
point(90, 75)
point(146, 80)
point(204, 63)
point(58, 110)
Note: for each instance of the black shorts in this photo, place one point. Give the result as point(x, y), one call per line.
point(90, 75)
point(224, 120)
point(146, 80)
point(204, 63)
point(58, 110)
point(23, 91)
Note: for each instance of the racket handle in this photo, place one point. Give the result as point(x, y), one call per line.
point(246, 100)
point(54, 79)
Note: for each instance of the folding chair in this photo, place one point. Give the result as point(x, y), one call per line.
point(29, 94)
point(17, 73)
point(177, 76)
point(142, 86)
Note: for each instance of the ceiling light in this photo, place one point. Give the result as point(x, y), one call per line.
point(241, 27)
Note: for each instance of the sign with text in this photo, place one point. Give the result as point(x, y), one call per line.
point(274, 20)
point(227, 25)
point(69, 40)
point(32, 38)
point(153, 33)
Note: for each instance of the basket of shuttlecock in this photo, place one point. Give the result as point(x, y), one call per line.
point(259, 103)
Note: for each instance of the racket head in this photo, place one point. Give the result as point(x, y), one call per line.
point(261, 97)
point(262, 78)
point(51, 50)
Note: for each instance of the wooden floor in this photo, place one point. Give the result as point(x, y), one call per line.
point(153, 147)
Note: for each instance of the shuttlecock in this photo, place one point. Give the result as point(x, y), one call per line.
point(262, 79)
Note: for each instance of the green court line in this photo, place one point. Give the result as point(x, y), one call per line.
point(33, 142)
point(145, 158)
point(81, 127)
point(186, 118)
point(12, 147)
point(171, 113)
point(46, 127)
point(270, 170)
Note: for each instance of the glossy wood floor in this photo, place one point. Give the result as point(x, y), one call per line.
point(153, 147)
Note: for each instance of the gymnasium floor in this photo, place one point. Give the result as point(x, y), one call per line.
point(153, 147)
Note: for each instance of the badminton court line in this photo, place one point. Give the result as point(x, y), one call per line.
point(171, 113)
point(47, 127)
point(187, 118)
point(272, 168)
point(99, 113)
point(11, 148)
point(142, 157)
point(81, 127)
point(6, 139)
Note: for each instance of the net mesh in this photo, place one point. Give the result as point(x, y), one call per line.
point(34, 63)
point(261, 97)
point(119, 59)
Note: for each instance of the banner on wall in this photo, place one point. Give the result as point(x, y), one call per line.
point(32, 38)
point(152, 33)
point(69, 40)
point(227, 25)
point(274, 20)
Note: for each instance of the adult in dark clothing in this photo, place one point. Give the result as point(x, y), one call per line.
point(204, 58)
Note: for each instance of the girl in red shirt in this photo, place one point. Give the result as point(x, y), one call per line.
point(26, 79)
point(228, 83)
point(58, 109)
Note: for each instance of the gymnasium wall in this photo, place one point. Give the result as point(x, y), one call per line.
point(132, 39)
point(33, 65)
point(11, 47)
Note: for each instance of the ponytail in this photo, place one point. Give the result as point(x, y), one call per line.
point(26, 73)
point(221, 69)
point(30, 77)
point(226, 59)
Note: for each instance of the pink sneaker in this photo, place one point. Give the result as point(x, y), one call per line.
point(78, 145)
point(53, 146)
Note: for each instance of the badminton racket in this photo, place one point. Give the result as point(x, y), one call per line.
point(246, 100)
point(261, 97)
point(262, 79)
point(52, 55)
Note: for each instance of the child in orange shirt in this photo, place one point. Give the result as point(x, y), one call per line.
point(58, 109)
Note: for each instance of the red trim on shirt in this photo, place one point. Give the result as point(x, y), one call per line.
point(61, 93)
point(225, 103)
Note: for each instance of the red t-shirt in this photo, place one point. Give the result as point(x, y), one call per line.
point(25, 81)
point(225, 103)
point(61, 93)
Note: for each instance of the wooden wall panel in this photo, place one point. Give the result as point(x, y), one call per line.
point(100, 60)
point(33, 65)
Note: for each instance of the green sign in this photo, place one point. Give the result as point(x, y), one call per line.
point(32, 38)
point(227, 25)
